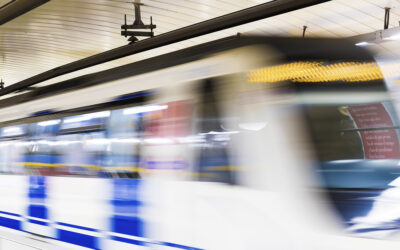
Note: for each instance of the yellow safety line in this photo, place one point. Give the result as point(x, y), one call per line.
point(37, 164)
point(130, 169)
point(222, 168)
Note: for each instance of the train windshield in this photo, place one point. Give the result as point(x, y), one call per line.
point(355, 134)
point(356, 139)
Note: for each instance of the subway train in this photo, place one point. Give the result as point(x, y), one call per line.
point(240, 143)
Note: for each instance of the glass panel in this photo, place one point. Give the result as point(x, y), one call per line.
point(122, 154)
point(358, 149)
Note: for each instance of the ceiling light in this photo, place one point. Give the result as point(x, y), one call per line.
point(49, 123)
point(362, 44)
point(87, 117)
point(144, 109)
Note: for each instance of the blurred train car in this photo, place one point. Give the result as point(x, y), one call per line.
point(241, 143)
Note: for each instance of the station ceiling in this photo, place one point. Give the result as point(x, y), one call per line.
point(63, 31)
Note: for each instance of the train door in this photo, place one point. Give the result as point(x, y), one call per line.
point(13, 145)
point(80, 202)
point(82, 143)
point(124, 135)
point(126, 223)
point(40, 161)
point(166, 163)
point(13, 185)
point(242, 161)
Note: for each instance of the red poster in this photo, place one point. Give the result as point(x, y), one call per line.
point(378, 143)
point(174, 121)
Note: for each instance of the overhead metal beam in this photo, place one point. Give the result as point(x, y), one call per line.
point(244, 16)
point(14, 8)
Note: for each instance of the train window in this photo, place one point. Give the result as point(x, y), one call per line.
point(13, 131)
point(81, 144)
point(11, 156)
point(81, 153)
point(12, 149)
point(122, 155)
point(336, 134)
point(40, 157)
point(355, 136)
point(87, 122)
point(358, 149)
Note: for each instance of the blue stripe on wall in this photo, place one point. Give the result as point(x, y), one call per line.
point(144, 243)
point(8, 213)
point(126, 204)
point(38, 222)
point(38, 211)
point(10, 223)
point(83, 239)
point(77, 227)
point(37, 185)
point(129, 241)
point(127, 225)
point(169, 244)
point(78, 239)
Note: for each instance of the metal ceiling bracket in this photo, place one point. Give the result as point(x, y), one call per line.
point(304, 30)
point(387, 16)
point(128, 30)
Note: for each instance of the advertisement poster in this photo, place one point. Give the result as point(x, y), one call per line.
point(378, 135)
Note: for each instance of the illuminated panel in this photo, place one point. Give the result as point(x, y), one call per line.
point(13, 131)
point(318, 72)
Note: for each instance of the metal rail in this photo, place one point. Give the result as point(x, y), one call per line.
point(244, 16)
point(15, 8)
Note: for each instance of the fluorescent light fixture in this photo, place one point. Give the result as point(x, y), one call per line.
point(362, 44)
point(345, 161)
point(49, 123)
point(98, 141)
point(86, 117)
point(253, 126)
point(376, 37)
point(220, 133)
point(156, 140)
point(126, 140)
point(24, 143)
point(144, 109)
point(191, 139)
point(11, 131)
point(392, 38)
point(63, 143)
point(46, 142)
